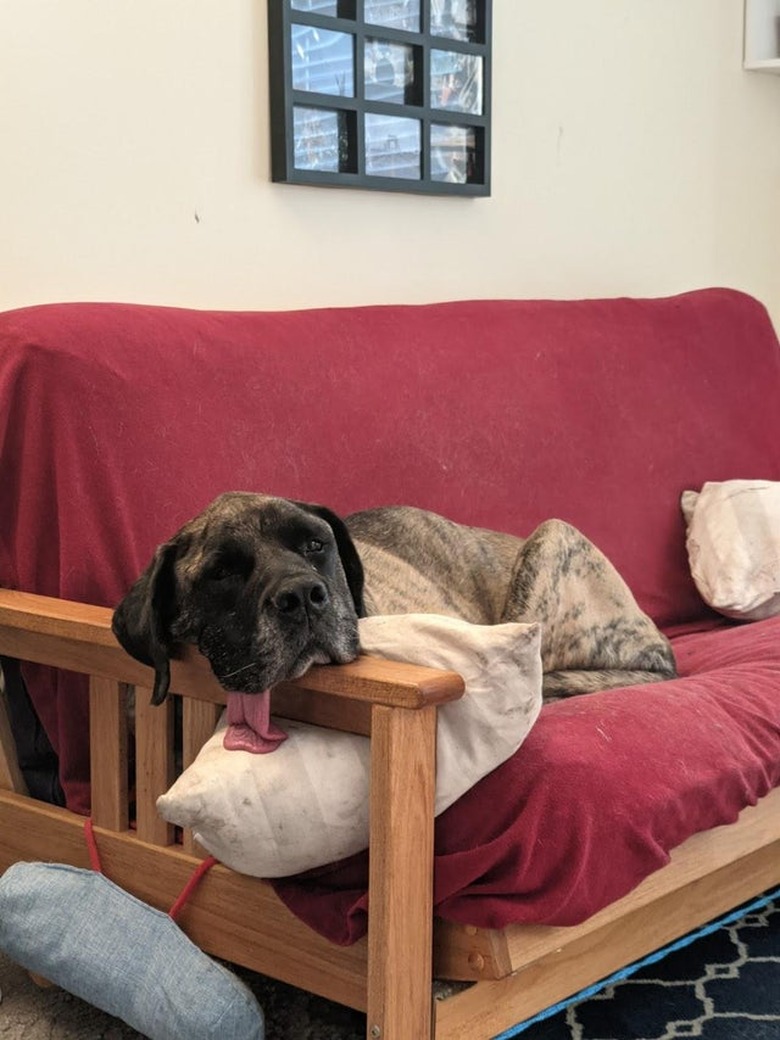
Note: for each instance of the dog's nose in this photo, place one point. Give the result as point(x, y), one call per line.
point(308, 595)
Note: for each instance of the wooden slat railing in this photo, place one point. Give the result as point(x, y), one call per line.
point(392, 702)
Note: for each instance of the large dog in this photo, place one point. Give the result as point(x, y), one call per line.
point(266, 587)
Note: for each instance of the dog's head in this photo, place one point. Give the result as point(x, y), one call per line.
point(263, 586)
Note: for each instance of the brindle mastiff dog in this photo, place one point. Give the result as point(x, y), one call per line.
point(266, 587)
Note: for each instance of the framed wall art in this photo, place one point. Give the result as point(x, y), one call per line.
point(392, 95)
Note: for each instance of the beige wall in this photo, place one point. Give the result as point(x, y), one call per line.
point(632, 155)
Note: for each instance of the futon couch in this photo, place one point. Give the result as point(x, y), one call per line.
point(120, 422)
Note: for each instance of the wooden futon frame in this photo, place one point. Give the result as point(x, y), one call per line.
point(516, 972)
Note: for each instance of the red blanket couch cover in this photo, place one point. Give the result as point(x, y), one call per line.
point(119, 422)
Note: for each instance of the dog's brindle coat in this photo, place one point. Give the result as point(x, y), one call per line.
point(266, 587)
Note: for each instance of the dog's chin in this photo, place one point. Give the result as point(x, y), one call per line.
point(325, 649)
point(320, 656)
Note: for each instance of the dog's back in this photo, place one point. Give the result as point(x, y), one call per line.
point(594, 635)
point(418, 561)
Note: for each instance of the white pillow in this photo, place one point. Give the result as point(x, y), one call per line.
point(733, 546)
point(306, 803)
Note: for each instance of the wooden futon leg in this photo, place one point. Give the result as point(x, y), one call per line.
point(400, 919)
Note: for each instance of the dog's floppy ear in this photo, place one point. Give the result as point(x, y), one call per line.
point(350, 560)
point(142, 620)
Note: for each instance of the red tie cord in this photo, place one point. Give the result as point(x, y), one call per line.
point(195, 879)
point(197, 876)
point(94, 855)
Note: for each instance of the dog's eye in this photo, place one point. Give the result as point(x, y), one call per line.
point(219, 572)
point(313, 546)
point(230, 565)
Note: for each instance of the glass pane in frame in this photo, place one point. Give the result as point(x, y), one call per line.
point(323, 140)
point(455, 154)
point(396, 14)
point(455, 19)
point(320, 6)
point(456, 81)
point(390, 71)
point(323, 61)
point(393, 146)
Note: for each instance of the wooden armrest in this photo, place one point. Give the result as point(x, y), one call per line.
point(78, 637)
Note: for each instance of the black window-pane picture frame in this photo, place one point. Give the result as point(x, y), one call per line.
point(389, 95)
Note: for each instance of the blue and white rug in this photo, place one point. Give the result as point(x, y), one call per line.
point(723, 985)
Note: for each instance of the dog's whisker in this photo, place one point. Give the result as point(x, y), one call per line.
point(237, 671)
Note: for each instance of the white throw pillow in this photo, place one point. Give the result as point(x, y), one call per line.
point(733, 543)
point(306, 803)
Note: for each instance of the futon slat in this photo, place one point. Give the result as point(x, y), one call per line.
point(154, 765)
point(108, 753)
point(198, 721)
point(11, 778)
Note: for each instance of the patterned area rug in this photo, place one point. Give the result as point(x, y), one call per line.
point(723, 986)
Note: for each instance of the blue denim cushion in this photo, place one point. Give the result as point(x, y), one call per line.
point(82, 932)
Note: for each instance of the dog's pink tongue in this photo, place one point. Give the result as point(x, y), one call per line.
point(249, 724)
